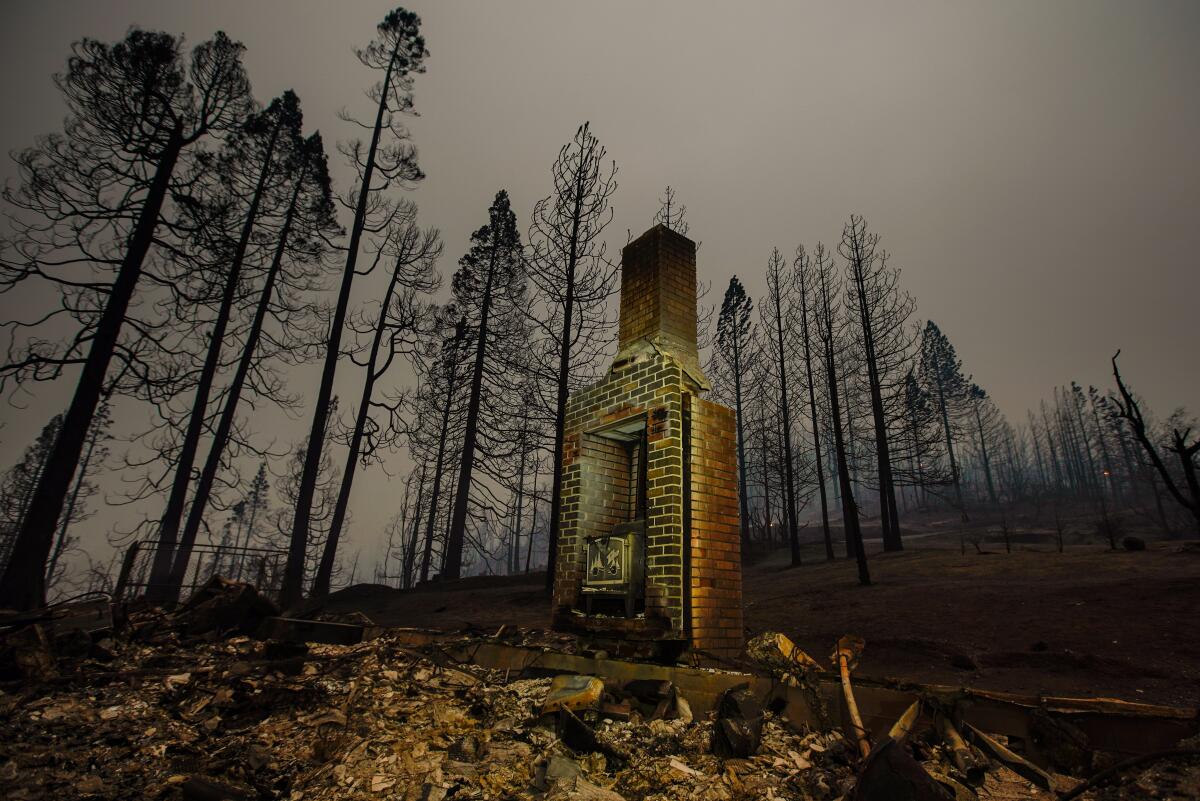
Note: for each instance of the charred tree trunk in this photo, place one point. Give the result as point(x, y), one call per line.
point(785, 409)
point(983, 452)
point(60, 541)
point(741, 446)
point(212, 464)
point(850, 522)
point(458, 519)
point(889, 517)
point(293, 575)
point(168, 524)
point(329, 554)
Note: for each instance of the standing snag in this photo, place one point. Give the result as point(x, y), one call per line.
point(733, 343)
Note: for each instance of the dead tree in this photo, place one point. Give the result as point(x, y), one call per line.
point(250, 156)
point(778, 311)
point(829, 325)
point(941, 373)
point(1187, 495)
point(437, 402)
point(399, 53)
point(802, 267)
point(978, 398)
point(883, 311)
point(733, 343)
point(573, 280)
point(397, 328)
point(490, 286)
point(298, 256)
point(135, 111)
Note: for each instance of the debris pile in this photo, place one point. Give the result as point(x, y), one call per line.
point(177, 708)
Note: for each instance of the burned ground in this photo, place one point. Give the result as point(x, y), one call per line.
point(1089, 621)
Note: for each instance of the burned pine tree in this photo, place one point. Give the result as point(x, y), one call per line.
point(297, 259)
point(412, 254)
point(83, 487)
point(830, 332)
point(734, 328)
point(981, 408)
point(573, 279)
point(941, 374)
point(245, 175)
point(399, 53)
point(287, 491)
point(803, 272)
point(777, 313)
point(137, 110)
point(19, 483)
point(883, 311)
point(435, 408)
point(489, 289)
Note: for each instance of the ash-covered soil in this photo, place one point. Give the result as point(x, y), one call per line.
point(1089, 621)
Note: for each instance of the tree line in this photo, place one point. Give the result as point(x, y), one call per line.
point(851, 409)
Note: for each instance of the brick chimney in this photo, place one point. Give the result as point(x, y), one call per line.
point(649, 548)
point(658, 297)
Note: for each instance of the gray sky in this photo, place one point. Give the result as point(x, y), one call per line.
point(1032, 166)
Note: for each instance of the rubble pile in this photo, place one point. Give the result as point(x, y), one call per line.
point(188, 707)
point(244, 719)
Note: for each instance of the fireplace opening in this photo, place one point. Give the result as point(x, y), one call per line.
point(614, 579)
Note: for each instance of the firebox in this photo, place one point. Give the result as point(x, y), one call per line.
point(648, 545)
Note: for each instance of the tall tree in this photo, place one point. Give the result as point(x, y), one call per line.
point(574, 280)
point(397, 328)
point(883, 311)
point(399, 53)
point(733, 341)
point(829, 325)
point(802, 266)
point(436, 402)
point(250, 157)
point(490, 287)
point(298, 257)
point(941, 372)
point(19, 484)
point(778, 311)
point(135, 108)
point(979, 400)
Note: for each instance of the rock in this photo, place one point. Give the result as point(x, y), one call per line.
point(1133, 544)
point(739, 724)
point(573, 692)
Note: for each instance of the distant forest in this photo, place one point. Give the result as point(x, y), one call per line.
point(178, 247)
